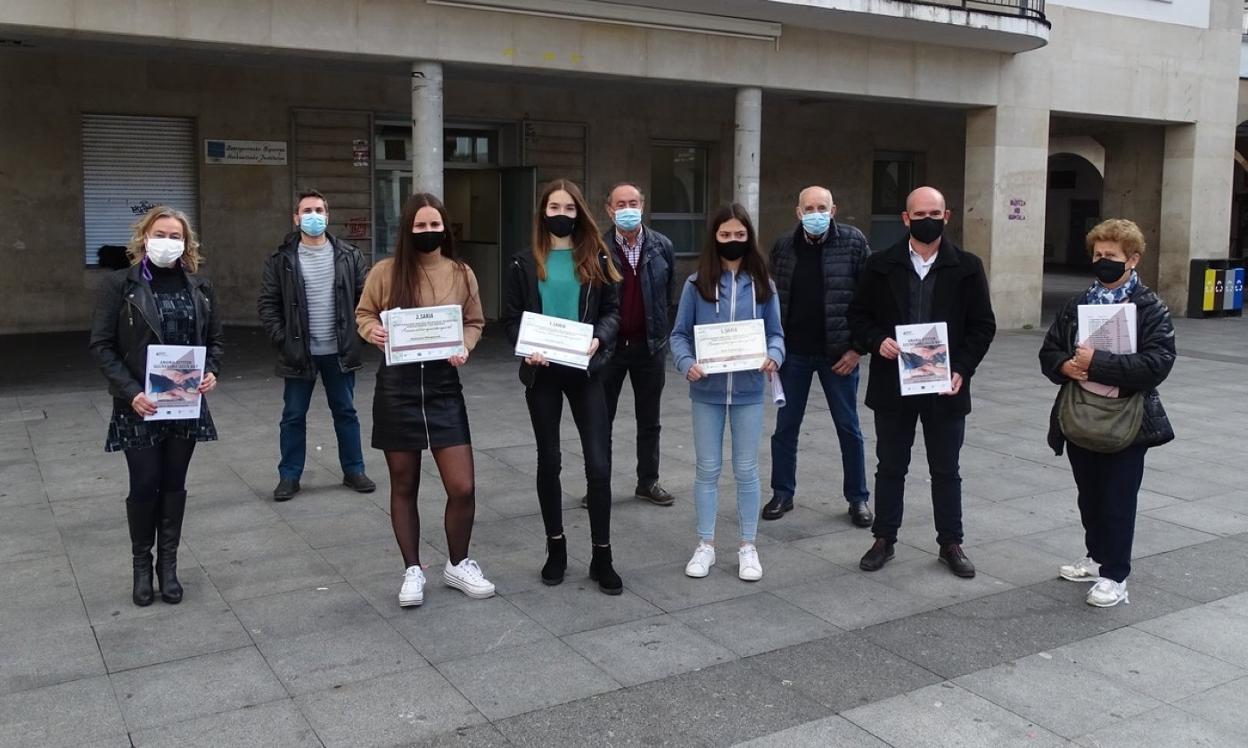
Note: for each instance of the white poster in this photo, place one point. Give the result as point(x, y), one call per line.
point(174, 373)
point(1106, 327)
point(262, 152)
point(923, 363)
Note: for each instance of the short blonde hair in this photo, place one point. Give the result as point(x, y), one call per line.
point(1120, 231)
point(137, 248)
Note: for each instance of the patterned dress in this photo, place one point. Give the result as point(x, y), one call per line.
point(127, 429)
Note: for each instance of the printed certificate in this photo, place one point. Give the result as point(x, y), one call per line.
point(431, 333)
point(730, 346)
point(174, 373)
point(1106, 327)
point(923, 364)
point(561, 341)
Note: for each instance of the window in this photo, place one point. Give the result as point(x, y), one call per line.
point(130, 164)
point(470, 147)
point(677, 200)
point(894, 176)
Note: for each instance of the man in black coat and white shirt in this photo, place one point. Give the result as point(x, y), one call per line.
point(923, 278)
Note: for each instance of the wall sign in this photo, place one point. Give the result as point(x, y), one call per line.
point(262, 152)
point(1016, 210)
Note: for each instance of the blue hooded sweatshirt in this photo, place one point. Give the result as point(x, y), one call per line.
point(734, 302)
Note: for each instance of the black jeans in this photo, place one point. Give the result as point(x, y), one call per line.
point(589, 411)
point(1109, 487)
point(647, 372)
point(942, 436)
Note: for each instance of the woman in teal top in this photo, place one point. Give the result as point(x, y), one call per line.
point(568, 274)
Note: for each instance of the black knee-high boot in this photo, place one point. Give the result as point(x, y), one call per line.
point(168, 538)
point(141, 518)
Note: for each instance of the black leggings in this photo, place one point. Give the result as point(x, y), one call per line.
point(159, 470)
point(455, 464)
point(589, 410)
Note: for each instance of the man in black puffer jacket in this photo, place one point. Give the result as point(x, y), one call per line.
point(816, 268)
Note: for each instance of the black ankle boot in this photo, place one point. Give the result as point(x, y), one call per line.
point(601, 571)
point(141, 518)
point(168, 538)
point(556, 560)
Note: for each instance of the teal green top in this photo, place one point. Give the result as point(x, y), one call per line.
point(561, 291)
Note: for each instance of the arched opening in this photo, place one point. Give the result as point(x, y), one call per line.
point(1073, 207)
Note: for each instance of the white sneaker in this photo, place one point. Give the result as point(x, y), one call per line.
point(748, 567)
point(1107, 593)
point(702, 561)
point(467, 577)
point(1083, 570)
point(413, 592)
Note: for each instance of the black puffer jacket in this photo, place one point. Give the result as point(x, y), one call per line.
point(1131, 373)
point(283, 307)
point(845, 252)
point(599, 306)
point(127, 322)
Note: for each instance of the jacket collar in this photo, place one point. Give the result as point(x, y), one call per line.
point(799, 235)
point(290, 245)
point(135, 275)
point(948, 254)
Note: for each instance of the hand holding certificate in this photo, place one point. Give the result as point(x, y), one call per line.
point(174, 381)
point(558, 340)
point(923, 361)
point(730, 346)
point(1106, 327)
point(431, 333)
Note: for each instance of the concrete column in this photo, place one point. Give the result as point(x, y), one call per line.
point(1196, 183)
point(427, 156)
point(1007, 153)
point(748, 146)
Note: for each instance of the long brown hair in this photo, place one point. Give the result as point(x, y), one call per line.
point(406, 272)
point(587, 245)
point(709, 267)
point(136, 248)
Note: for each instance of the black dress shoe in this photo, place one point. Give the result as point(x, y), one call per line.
point(777, 507)
point(952, 556)
point(286, 490)
point(880, 554)
point(860, 515)
point(655, 494)
point(359, 482)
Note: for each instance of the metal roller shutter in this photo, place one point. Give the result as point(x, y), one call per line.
point(129, 165)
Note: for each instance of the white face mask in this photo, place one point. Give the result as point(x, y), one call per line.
point(163, 251)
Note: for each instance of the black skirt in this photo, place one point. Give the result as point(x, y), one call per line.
point(419, 406)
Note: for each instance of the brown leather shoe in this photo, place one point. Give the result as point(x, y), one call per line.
point(880, 554)
point(952, 556)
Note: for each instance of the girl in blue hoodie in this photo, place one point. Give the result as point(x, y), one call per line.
point(732, 284)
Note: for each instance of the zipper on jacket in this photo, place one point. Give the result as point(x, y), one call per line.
point(132, 304)
point(732, 317)
point(423, 416)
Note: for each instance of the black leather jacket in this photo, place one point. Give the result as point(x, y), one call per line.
point(1134, 372)
point(599, 306)
point(284, 314)
point(127, 321)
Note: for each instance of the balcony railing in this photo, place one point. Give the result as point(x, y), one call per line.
point(1033, 9)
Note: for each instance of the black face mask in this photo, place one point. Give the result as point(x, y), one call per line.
point(427, 241)
point(926, 230)
point(732, 250)
point(1107, 270)
point(560, 226)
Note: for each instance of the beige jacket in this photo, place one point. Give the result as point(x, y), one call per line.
point(444, 282)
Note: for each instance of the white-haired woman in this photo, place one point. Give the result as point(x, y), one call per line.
point(160, 299)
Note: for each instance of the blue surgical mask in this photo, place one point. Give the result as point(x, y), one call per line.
point(312, 224)
point(816, 224)
point(628, 218)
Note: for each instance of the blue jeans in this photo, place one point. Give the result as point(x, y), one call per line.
point(340, 392)
point(746, 422)
point(842, 396)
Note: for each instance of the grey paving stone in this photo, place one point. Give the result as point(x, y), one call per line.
point(667, 587)
point(829, 732)
point(398, 709)
point(578, 605)
point(303, 611)
point(241, 580)
point(359, 525)
point(1225, 706)
point(476, 736)
point(843, 671)
point(1149, 664)
point(467, 629)
point(37, 591)
point(1203, 572)
point(42, 656)
point(855, 600)
point(1147, 601)
point(846, 548)
point(196, 687)
point(715, 706)
point(648, 649)
point(1015, 562)
point(357, 560)
point(1053, 691)
point(1163, 726)
point(931, 579)
point(272, 724)
point(504, 684)
point(249, 543)
point(1207, 629)
point(64, 714)
point(1203, 515)
point(333, 657)
point(946, 715)
point(172, 634)
point(754, 624)
point(30, 533)
point(106, 588)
